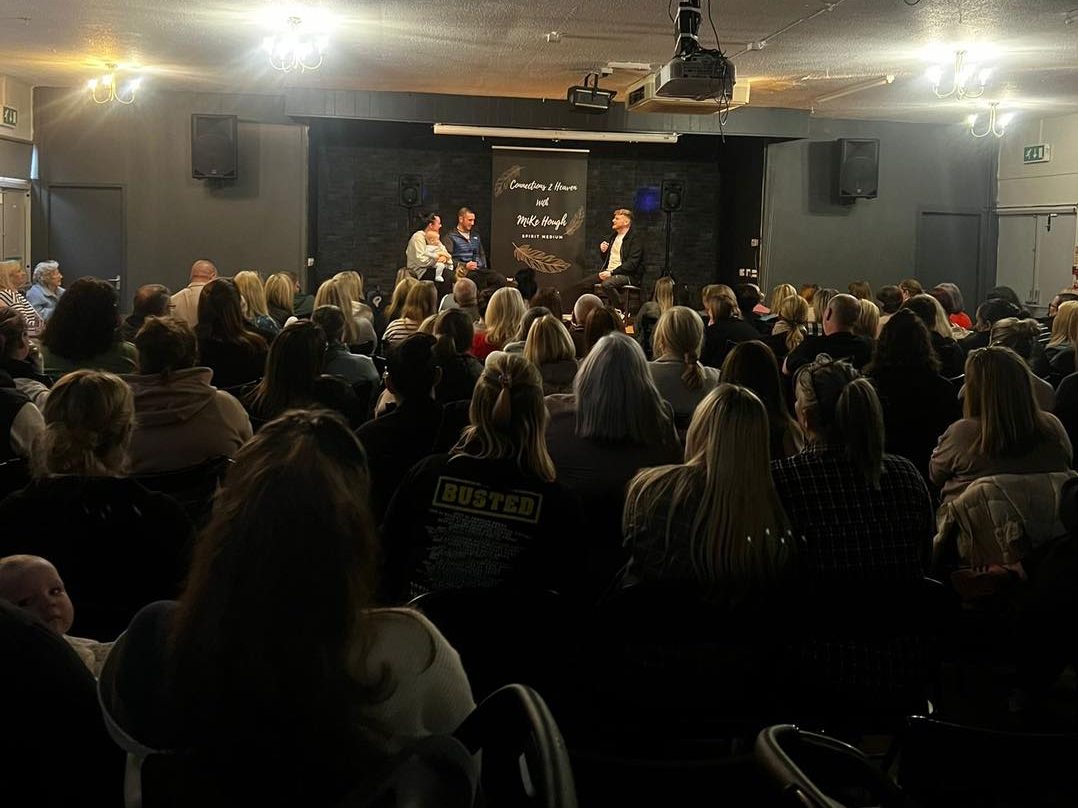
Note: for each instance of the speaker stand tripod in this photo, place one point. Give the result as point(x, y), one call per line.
point(666, 264)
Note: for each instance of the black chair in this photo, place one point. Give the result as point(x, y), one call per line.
point(632, 295)
point(525, 761)
point(193, 487)
point(814, 771)
point(503, 635)
point(14, 474)
point(367, 393)
point(946, 764)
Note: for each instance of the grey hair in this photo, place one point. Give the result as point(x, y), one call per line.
point(43, 269)
point(616, 399)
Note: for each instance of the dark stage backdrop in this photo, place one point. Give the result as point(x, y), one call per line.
point(539, 204)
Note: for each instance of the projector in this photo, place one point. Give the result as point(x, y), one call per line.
point(699, 76)
point(590, 99)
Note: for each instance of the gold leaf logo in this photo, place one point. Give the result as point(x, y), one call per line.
point(539, 260)
point(576, 222)
point(507, 177)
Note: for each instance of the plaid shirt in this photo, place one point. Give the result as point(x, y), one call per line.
point(848, 529)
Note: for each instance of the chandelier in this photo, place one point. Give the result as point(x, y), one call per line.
point(107, 88)
point(997, 124)
point(967, 80)
point(292, 50)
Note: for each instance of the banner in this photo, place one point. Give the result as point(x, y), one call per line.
point(538, 213)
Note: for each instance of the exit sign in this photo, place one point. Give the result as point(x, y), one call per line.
point(1041, 153)
point(11, 116)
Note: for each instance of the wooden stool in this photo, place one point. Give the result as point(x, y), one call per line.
point(632, 294)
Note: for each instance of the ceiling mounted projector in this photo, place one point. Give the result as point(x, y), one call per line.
point(587, 97)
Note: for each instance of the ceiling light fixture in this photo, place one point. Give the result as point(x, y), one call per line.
point(108, 88)
point(997, 124)
point(961, 78)
point(294, 50)
point(856, 88)
point(554, 134)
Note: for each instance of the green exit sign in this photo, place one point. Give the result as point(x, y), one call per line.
point(1040, 153)
point(11, 116)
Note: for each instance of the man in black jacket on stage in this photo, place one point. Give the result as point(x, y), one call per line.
point(623, 258)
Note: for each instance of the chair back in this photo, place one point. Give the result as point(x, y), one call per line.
point(193, 487)
point(14, 474)
point(525, 761)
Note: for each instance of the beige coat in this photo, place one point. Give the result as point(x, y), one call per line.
point(185, 303)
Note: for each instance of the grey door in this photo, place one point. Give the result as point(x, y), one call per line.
point(1016, 255)
point(14, 210)
point(86, 231)
point(1035, 254)
point(949, 250)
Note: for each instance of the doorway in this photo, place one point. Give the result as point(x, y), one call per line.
point(949, 251)
point(15, 225)
point(86, 231)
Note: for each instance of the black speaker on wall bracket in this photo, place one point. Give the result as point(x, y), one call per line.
point(214, 149)
point(409, 190)
point(858, 168)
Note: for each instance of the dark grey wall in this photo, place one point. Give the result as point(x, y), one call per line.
point(809, 237)
point(258, 221)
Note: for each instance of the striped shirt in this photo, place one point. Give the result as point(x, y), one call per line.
point(15, 299)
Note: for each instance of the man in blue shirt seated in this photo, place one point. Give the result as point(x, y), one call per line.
point(469, 259)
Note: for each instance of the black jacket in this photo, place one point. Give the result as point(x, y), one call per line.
point(632, 255)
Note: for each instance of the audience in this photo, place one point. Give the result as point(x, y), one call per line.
point(280, 298)
point(151, 300)
point(791, 323)
point(501, 321)
point(585, 305)
point(550, 348)
point(12, 281)
point(235, 353)
point(464, 297)
point(83, 332)
point(302, 303)
point(820, 300)
point(295, 379)
point(918, 404)
point(678, 375)
point(988, 314)
point(340, 362)
point(950, 297)
point(952, 357)
point(601, 322)
point(752, 365)
point(838, 341)
point(119, 545)
point(890, 298)
point(400, 295)
point(358, 335)
point(725, 325)
point(454, 332)
point(181, 420)
point(253, 293)
point(549, 298)
point(714, 521)
point(868, 324)
point(186, 302)
point(17, 358)
point(47, 290)
point(1060, 351)
point(750, 303)
point(274, 670)
point(490, 512)
point(910, 287)
point(647, 317)
point(21, 424)
point(530, 316)
point(1003, 431)
point(419, 304)
point(860, 289)
point(1021, 337)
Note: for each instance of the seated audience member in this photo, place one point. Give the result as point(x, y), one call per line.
point(647, 318)
point(302, 303)
point(274, 660)
point(32, 583)
point(808, 292)
point(1005, 293)
point(750, 303)
point(353, 286)
point(549, 297)
point(185, 302)
point(235, 353)
point(988, 314)
point(295, 379)
point(550, 348)
point(402, 436)
point(530, 316)
point(910, 287)
point(819, 309)
point(454, 332)
point(1003, 431)
point(83, 332)
point(790, 326)
point(279, 298)
point(752, 365)
point(1021, 337)
point(253, 293)
point(501, 320)
point(918, 403)
point(680, 378)
point(181, 419)
point(890, 298)
point(16, 352)
point(861, 514)
point(953, 304)
point(340, 362)
point(525, 281)
point(490, 512)
point(868, 324)
point(12, 280)
point(1059, 353)
point(585, 305)
point(151, 300)
point(601, 322)
point(715, 520)
point(47, 290)
point(464, 297)
point(358, 335)
point(119, 545)
point(860, 289)
point(419, 304)
point(778, 294)
point(724, 326)
point(838, 341)
point(952, 357)
point(21, 423)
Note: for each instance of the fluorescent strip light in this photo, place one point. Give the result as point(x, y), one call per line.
point(856, 88)
point(554, 134)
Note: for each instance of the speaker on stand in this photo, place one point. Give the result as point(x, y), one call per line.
point(673, 192)
point(410, 196)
